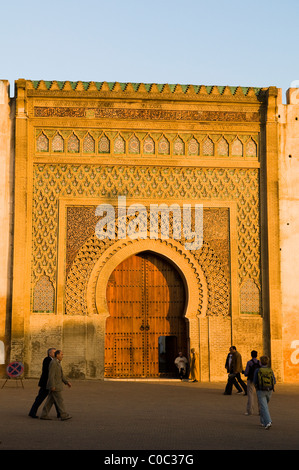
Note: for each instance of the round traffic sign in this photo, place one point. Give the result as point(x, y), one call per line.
point(15, 369)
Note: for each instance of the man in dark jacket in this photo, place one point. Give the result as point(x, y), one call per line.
point(43, 391)
point(228, 367)
point(236, 368)
point(55, 384)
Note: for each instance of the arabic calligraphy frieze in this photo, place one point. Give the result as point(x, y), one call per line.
point(145, 114)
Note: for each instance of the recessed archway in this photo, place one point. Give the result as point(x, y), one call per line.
point(183, 261)
point(146, 327)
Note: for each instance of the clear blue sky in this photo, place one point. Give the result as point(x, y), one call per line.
point(252, 43)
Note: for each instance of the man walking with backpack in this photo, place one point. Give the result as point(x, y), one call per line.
point(251, 366)
point(264, 381)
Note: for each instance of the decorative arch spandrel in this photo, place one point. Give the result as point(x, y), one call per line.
point(173, 251)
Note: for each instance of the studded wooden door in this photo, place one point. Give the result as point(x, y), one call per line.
point(146, 302)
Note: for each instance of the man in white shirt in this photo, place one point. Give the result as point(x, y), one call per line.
point(181, 363)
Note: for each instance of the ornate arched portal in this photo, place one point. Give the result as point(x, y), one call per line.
point(184, 268)
point(146, 327)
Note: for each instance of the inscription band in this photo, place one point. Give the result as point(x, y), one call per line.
point(145, 114)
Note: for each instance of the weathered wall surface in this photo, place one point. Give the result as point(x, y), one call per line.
point(288, 116)
point(6, 216)
point(82, 144)
point(78, 144)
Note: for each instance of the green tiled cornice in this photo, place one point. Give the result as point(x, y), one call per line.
point(143, 87)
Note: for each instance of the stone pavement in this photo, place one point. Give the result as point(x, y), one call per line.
point(147, 415)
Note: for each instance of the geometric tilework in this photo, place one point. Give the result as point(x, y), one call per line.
point(249, 297)
point(251, 148)
point(85, 248)
point(237, 148)
point(42, 143)
point(57, 143)
point(104, 145)
point(134, 145)
point(163, 146)
point(89, 144)
point(43, 295)
point(98, 143)
point(208, 147)
point(178, 147)
point(223, 147)
point(119, 145)
point(149, 146)
point(73, 144)
point(53, 181)
point(193, 147)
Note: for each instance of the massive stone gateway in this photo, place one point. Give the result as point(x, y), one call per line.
point(111, 303)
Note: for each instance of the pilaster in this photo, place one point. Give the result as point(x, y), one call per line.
point(21, 300)
point(272, 312)
point(6, 217)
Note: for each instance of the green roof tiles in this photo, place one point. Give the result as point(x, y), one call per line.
point(145, 87)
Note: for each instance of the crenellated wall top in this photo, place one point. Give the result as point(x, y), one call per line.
point(144, 90)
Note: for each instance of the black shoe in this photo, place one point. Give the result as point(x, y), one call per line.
point(32, 416)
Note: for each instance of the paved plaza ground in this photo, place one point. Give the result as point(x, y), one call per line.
point(147, 415)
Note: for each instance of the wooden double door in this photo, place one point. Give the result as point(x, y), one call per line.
point(146, 327)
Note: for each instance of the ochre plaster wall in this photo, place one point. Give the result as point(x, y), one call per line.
point(49, 182)
point(288, 116)
point(6, 217)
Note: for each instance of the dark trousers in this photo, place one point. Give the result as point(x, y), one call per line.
point(235, 384)
point(42, 394)
point(235, 379)
point(241, 382)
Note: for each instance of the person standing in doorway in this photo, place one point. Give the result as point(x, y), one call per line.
point(181, 363)
point(55, 384)
point(251, 366)
point(43, 391)
point(194, 366)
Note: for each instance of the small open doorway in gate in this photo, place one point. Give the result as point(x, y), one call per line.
point(167, 355)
